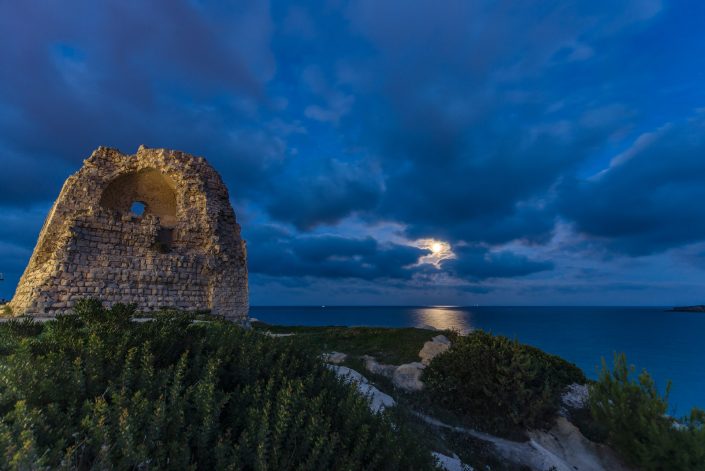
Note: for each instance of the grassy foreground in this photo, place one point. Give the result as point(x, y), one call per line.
point(394, 346)
point(95, 390)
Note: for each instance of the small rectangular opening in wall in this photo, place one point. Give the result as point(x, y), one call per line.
point(165, 239)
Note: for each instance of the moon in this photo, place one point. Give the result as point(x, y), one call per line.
point(436, 247)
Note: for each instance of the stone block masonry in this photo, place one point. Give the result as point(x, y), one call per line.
point(155, 229)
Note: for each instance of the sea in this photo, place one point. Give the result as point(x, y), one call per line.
point(669, 345)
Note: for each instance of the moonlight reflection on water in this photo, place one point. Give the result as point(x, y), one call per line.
point(443, 317)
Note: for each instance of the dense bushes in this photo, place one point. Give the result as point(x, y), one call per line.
point(497, 383)
point(634, 415)
point(96, 390)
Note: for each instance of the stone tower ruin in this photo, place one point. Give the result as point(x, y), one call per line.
point(155, 229)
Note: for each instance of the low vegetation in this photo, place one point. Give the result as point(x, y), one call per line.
point(499, 385)
point(633, 414)
point(96, 390)
point(392, 346)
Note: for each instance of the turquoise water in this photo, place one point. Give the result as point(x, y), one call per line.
point(670, 345)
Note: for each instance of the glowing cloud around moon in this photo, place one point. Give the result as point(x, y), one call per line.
point(439, 251)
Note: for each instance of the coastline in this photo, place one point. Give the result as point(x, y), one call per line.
point(695, 308)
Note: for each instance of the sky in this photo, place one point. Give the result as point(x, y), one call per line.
point(395, 152)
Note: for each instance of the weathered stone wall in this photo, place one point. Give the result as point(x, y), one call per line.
point(184, 251)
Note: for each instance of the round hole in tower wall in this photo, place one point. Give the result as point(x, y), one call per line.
point(137, 208)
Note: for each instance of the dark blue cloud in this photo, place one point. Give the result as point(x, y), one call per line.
point(276, 252)
point(478, 123)
point(21, 174)
point(649, 199)
point(14, 261)
point(325, 194)
point(319, 248)
point(165, 74)
point(477, 263)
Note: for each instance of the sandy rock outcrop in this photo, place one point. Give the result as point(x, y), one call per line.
point(408, 376)
point(375, 367)
point(450, 463)
point(575, 396)
point(335, 358)
point(562, 448)
point(433, 348)
point(378, 400)
point(571, 450)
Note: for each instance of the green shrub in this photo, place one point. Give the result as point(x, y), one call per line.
point(96, 390)
point(5, 310)
point(634, 415)
point(497, 383)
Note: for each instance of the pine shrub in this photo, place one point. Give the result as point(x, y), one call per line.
point(95, 390)
point(498, 384)
point(634, 414)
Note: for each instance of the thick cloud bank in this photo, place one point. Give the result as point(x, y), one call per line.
point(549, 147)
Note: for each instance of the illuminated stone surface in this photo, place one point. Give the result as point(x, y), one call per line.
point(183, 251)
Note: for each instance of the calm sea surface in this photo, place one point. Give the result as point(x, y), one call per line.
point(670, 345)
